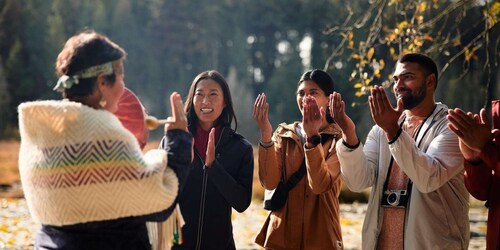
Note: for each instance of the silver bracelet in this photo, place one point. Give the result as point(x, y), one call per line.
point(266, 145)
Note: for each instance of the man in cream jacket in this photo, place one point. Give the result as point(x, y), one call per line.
point(412, 163)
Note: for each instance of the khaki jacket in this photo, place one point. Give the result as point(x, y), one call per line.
point(310, 218)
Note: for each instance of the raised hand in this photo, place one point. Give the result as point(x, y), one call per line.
point(337, 111)
point(473, 130)
point(260, 115)
point(210, 158)
point(178, 120)
point(383, 114)
point(313, 116)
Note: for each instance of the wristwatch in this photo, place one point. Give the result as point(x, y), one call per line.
point(314, 140)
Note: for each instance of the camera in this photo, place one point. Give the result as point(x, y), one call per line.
point(395, 198)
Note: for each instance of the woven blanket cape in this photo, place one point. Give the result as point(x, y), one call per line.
point(78, 165)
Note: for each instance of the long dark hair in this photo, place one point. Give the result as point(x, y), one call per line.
point(324, 82)
point(226, 117)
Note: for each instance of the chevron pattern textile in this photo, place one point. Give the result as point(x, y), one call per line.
point(79, 164)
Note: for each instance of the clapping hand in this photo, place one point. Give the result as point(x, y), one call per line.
point(178, 120)
point(313, 116)
point(210, 155)
point(337, 111)
point(473, 130)
point(383, 114)
point(260, 115)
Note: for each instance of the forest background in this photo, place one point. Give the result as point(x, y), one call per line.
point(259, 46)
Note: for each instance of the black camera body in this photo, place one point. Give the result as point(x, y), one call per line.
point(395, 198)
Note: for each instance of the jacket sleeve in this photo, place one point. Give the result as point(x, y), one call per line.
point(477, 180)
point(490, 155)
point(237, 192)
point(431, 169)
point(270, 163)
point(178, 145)
point(321, 173)
point(478, 177)
point(359, 166)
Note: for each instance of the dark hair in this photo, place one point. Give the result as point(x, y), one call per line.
point(83, 50)
point(226, 117)
point(320, 77)
point(424, 61)
point(324, 82)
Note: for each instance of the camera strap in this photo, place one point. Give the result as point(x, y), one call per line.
point(426, 125)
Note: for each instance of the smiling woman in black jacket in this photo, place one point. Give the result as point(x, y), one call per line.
point(221, 174)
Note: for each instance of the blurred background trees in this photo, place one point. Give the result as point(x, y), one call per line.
point(259, 45)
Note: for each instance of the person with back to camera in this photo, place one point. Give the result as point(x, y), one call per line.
point(480, 146)
point(221, 174)
point(310, 217)
point(412, 162)
point(84, 176)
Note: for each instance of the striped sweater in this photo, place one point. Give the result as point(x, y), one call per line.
point(79, 164)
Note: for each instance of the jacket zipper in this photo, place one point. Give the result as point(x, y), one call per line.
point(203, 195)
point(202, 210)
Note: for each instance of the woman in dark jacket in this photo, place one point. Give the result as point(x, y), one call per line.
point(222, 171)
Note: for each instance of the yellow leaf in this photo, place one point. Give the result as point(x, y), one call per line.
point(370, 53)
point(422, 7)
point(390, 37)
point(367, 81)
point(392, 51)
point(494, 13)
point(418, 42)
point(358, 85)
point(350, 36)
point(358, 93)
point(382, 63)
point(428, 38)
point(402, 25)
point(420, 19)
point(356, 56)
point(351, 44)
point(470, 54)
point(495, 9)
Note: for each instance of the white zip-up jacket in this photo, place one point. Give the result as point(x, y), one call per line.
point(437, 212)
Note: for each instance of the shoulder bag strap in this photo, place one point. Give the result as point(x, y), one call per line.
point(297, 176)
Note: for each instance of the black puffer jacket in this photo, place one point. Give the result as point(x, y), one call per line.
point(209, 195)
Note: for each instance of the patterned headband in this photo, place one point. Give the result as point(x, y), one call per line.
point(66, 82)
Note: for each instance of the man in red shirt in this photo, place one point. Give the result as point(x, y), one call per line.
point(480, 146)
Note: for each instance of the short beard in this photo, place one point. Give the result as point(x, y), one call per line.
point(412, 100)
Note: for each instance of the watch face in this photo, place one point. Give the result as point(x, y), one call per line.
point(315, 140)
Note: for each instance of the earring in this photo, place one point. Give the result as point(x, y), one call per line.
point(102, 103)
